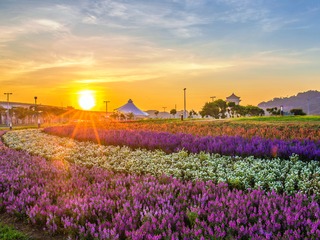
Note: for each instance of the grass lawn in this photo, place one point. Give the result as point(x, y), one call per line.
point(277, 119)
point(17, 127)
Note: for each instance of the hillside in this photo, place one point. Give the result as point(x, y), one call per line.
point(309, 101)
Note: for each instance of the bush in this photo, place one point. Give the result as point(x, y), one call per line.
point(297, 112)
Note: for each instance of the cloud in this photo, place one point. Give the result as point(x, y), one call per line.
point(31, 26)
point(255, 12)
point(110, 8)
point(97, 41)
point(275, 24)
point(90, 19)
point(145, 16)
point(47, 25)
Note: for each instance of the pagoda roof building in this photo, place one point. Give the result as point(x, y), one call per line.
point(233, 98)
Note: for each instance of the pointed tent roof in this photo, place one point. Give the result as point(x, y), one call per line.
point(131, 108)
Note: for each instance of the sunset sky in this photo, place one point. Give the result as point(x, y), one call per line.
point(150, 50)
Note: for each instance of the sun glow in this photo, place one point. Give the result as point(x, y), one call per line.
point(86, 100)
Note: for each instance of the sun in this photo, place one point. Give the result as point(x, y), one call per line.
point(86, 100)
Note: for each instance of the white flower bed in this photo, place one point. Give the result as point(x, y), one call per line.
point(289, 175)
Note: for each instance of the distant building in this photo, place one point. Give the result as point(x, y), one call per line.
point(129, 107)
point(233, 98)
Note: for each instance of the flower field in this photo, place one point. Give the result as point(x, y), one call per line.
point(143, 184)
point(283, 131)
point(168, 142)
point(291, 175)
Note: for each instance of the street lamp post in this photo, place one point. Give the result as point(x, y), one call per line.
point(164, 109)
point(212, 98)
point(8, 116)
point(106, 102)
point(185, 104)
point(36, 110)
point(35, 103)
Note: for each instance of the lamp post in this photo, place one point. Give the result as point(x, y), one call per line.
point(8, 116)
point(36, 110)
point(164, 109)
point(106, 102)
point(35, 103)
point(212, 98)
point(185, 104)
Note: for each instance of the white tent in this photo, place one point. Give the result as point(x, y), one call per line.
point(131, 108)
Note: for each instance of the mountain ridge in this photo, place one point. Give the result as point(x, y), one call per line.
point(308, 101)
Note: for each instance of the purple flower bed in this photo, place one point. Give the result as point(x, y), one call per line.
point(168, 142)
point(95, 203)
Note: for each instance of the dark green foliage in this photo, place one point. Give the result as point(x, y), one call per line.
point(173, 112)
point(210, 109)
point(254, 111)
point(273, 111)
point(214, 109)
point(297, 112)
point(219, 108)
point(191, 218)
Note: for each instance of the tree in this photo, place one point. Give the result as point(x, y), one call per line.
point(173, 112)
point(230, 108)
point(240, 110)
point(297, 112)
point(210, 109)
point(121, 116)
point(22, 113)
point(214, 109)
point(191, 113)
point(114, 115)
point(273, 111)
point(221, 104)
point(156, 113)
point(130, 116)
point(254, 111)
point(231, 104)
point(222, 107)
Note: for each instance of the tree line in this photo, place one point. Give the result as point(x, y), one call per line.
point(276, 111)
point(23, 115)
point(222, 109)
